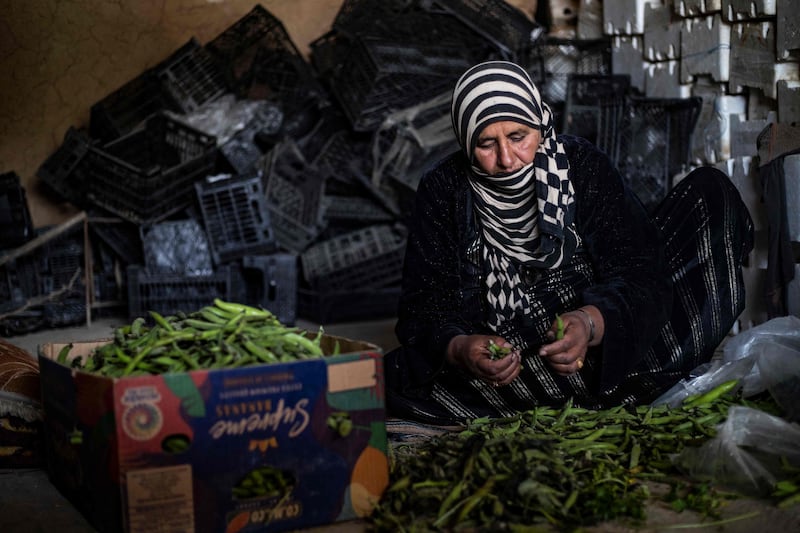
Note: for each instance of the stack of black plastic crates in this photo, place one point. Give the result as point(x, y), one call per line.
point(292, 210)
point(381, 57)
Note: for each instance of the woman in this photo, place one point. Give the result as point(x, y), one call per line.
point(523, 229)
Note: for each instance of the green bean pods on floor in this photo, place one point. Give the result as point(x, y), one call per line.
point(222, 335)
point(556, 469)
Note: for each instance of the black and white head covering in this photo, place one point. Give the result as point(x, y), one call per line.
point(527, 216)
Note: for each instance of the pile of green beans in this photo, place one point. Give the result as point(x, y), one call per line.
point(222, 335)
point(264, 482)
point(561, 468)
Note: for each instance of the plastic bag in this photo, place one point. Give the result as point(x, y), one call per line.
point(746, 454)
point(704, 378)
point(763, 358)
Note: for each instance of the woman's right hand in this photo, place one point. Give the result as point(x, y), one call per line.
point(472, 353)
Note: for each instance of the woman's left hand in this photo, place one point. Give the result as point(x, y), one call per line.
point(566, 355)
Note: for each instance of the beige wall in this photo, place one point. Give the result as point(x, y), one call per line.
point(59, 57)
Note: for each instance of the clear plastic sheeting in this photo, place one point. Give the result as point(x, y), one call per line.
point(227, 116)
point(762, 358)
point(747, 454)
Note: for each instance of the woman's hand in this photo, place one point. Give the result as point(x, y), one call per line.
point(582, 328)
point(473, 353)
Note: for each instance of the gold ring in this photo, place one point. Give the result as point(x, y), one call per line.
point(580, 364)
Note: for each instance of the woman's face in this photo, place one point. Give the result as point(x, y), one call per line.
point(505, 147)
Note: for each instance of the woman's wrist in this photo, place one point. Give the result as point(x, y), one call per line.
point(595, 326)
point(590, 322)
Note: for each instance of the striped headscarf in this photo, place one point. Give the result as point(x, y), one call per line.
point(527, 217)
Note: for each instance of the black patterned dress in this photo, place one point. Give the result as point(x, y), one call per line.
point(669, 287)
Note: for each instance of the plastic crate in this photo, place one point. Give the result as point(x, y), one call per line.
point(262, 62)
point(127, 108)
point(121, 236)
point(19, 281)
point(68, 312)
point(149, 174)
point(294, 194)
point(379, 77)
point(62, 260)
point(191, 77)
point(594, 107)
point(270, 281)
point(500, 23)
point(417, 22)
point(410, 140)
point(16, 225)
point(355, 208)
point(64, 171)
point(177, 247)
point(236, 217)
point(332, 307)
point(562, 58)
point(168, 294)
point(653, 144)
point(368, 257)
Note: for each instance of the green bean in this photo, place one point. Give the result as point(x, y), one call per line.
point(713, 394)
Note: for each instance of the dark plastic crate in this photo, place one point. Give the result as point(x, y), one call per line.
point(379, 76)
point(333, 307)
point(63, 260)
point(122, 237)
point(270, 282)
point(368, 257)
point(191, 77)
point(19, 281)
point(68, 312)
point(594, 107)
point(654, 143)
point(413, 22)
point(294, 194)
point(562, 58)
point(168, 294)
point(150, 173)
point(500, 23)
point(261, 61)
point(127, 108)
point(64, 171)
point(236, 217)
point(16, 225)
point(411, 140)
point(177, 247)
point(355, 208)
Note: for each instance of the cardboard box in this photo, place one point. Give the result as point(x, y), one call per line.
point(231, 450)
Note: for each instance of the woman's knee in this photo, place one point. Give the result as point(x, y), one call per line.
point(710, 182)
